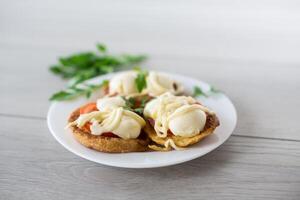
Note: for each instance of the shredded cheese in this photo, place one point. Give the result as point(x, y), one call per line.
point(124, 123)
point(171, 143)
point(158, 84)
point(180, 114)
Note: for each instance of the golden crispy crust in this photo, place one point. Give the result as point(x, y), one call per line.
point(107, 144)
point(211, 124)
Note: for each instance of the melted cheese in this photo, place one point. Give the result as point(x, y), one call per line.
point(108, 103)
point(179, 114)
point(158, 84)
point(182, 121)
point(123, 123)
point(123, 83)
point(170, 143)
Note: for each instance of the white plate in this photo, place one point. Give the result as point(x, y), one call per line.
point(59, 112)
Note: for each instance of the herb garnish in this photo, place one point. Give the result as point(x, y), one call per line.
point(76, 91)
point(199, 92)
point(136, 105)
point(82, 66)
point(140, 79)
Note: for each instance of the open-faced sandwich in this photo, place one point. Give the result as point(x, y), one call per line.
point(177, 122)
point(106, 126)
point(131, 118)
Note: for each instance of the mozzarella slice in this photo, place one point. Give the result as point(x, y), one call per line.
point(108, 103)
point(123, 83)
point(179, 114)
point(188, 124)
point(158, 84)
point(123, 123)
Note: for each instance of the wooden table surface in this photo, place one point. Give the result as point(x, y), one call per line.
point(248, 49)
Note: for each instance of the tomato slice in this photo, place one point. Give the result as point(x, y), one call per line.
point(109, 134)
point(86, 127)
point(90, 107)
point(170, 133)
point(151, 121)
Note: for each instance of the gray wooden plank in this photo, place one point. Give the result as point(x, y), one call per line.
point(25, 81)
point(259, 30)
point(265, 94)
point(35, 166)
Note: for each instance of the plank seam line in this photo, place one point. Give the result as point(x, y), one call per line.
point(234, 135)
point(204, 59)
point(266, 138)
point(22, 116)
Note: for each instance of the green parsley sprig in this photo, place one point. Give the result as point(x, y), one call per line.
point(79, 67)
point(140, 80)
point(199, 92)
point(82, 66)
point(136, 105)
point(76, 91)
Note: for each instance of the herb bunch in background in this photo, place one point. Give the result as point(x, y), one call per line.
point(85, 65)
point(82, 66)
point(76, 91)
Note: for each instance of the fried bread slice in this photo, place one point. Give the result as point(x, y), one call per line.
point(212, 123)
point(107, 144)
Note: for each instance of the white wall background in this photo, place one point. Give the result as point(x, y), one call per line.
point(256, 30)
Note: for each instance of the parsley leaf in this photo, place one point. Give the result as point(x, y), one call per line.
point(214, 90)
point(199, 92)
point(136, 104)
point(101, 48)
point(140, 80)
point(139, 111)
point(75, 91)
point(86, 65)
point(130, 102)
